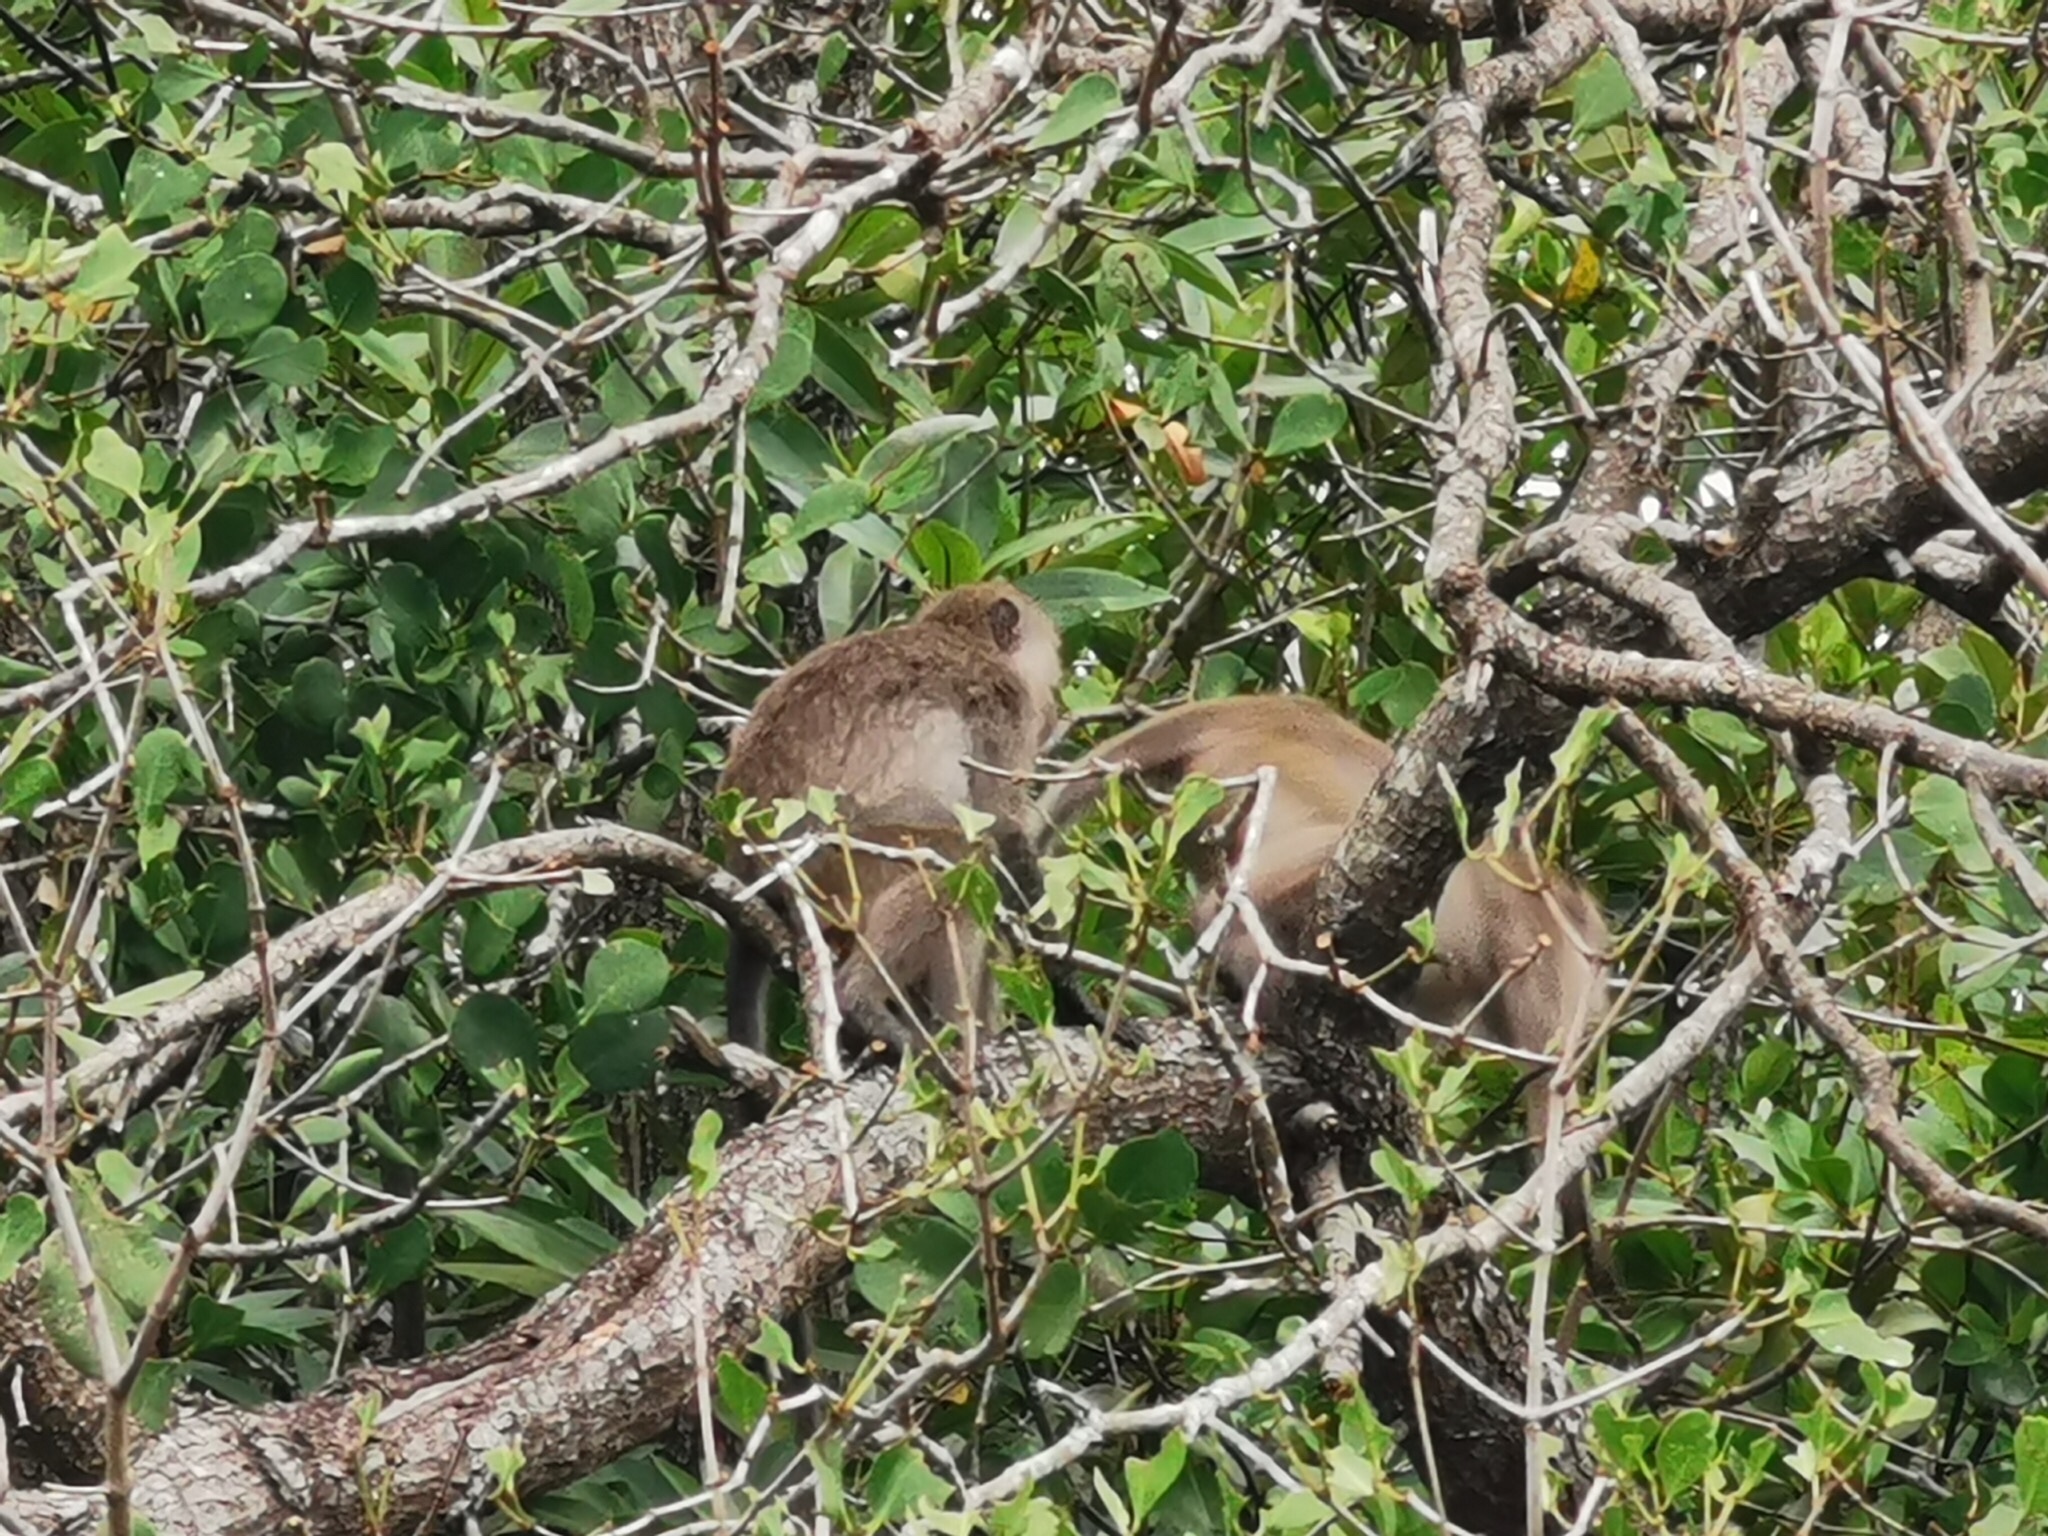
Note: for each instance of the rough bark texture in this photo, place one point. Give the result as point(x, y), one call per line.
point(610, 1362)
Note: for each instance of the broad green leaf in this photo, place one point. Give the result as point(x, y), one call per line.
point(790, 366)
point(625, 976)
point(1835, 1326)
point(1161, 1169)
point(2030, 1464)
point(242, 297)
point(21, 1228)
point(1148, 1479)
point(1684, 1452)
point(901, 1481)
point(62, 1305)
point(157, 185)
point(28, 784)
point(1601, 94)
point(536, 1239)
point(1055, 1311)
point(704, 1152)
point(285, 358)
point(127, 1260)
point(107, 272)
point(1087, 103)
point(489, 1030)
point(833, 503)
point(742, 1394)
point(111, 461)
point(620, 1052)
point(140, 1002)
point(946, 555)
point(164, 764)
point(1304, 422)
point(1077, 592)
point(335, 172)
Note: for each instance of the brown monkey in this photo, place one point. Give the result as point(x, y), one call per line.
point(888, 719)
point(1518, 948)
point(1490, 921)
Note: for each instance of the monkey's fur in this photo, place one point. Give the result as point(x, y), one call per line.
point(884, 719)
point(1497, 918)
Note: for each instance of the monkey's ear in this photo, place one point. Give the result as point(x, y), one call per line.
point(1005, 623)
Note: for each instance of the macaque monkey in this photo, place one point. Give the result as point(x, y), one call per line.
point(1519, 949)
point(887, 719)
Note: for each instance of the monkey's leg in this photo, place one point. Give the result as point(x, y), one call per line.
point(899, 977)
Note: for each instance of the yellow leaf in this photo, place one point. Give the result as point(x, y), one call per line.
point(1583, 281)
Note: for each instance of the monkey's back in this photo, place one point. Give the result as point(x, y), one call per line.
point(1324, 765)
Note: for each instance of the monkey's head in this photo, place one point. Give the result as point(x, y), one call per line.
point(997, 614)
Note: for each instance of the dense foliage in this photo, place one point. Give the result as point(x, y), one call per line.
point(422, 427)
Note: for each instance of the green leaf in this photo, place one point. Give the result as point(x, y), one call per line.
point(335, 172)
point(28, 784)
point(1149, 1479)
point(352, 297)
point(833, 503)
point(140, 1002)
point(1161, 1169)
point(918, 1257)
point(157, 185)
point(1403, 692)
point(154, 1403)
point(619, 1052)
point(625, 976)
point(1072, 534)
point(946, 555)
point(1304, 422)
point(1078, 592)
point(128, 1262)
point(319, 692)
point(912, 442)
point(1087, 103)
point(704, 1153)
point(1835, 1325)
point(899, 1482)
point(1941, 809)
point(62, 1305)
point(537, 1239)
point(284, 358)
point(397, 356)
point(832, 56)
point(164, 764)
point(1414, 1182)
point(1767, 1068)
point(1297, 1510)
point(21, 1228)
point(572, 580)
point(111, 461)
point(791, 364)
point(2030, 1463)
point(1601, 94)
point(243, 297)
point(489, 1030)
point(1056, 1309)
point(742, 1394)
point(108, 269)
point(1684, 1452)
